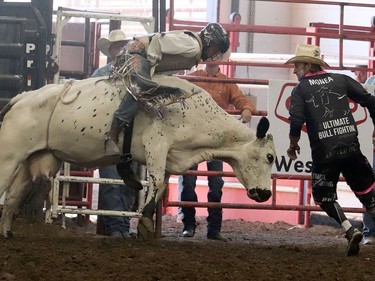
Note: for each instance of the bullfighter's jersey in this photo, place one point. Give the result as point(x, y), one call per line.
point(321, 100)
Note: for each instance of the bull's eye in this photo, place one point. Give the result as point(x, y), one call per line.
point(270, 158)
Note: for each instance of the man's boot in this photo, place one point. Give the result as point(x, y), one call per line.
point(128, 175)
point(111, 141)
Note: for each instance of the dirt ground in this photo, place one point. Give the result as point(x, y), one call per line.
point(255, 251)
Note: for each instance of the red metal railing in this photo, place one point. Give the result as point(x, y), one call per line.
point(84, 199)
point(313, 33)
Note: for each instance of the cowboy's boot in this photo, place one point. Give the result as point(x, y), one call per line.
point(127, 110)
point(111, 140)
point(128, 175)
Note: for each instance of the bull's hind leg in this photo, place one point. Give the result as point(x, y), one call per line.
point(15, 151)
point(12, 199)
point(12, 174)
point(7, 172)
point(41, 165)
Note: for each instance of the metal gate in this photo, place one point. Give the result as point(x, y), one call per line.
point(23, 49)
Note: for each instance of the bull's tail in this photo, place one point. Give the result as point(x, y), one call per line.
point(10, 104)
point(5, 109)
point(15, 99)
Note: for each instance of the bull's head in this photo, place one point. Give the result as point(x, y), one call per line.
point(254, 165)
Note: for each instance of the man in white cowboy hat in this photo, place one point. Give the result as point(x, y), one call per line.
point(113, 196)
point(110, 47)
point(320, 100)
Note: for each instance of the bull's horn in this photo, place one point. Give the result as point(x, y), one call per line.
point(262, 127)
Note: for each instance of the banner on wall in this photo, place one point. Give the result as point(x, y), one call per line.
point(278, 114)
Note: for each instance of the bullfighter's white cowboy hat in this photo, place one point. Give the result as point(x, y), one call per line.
point(116, 35)
point(308, 53)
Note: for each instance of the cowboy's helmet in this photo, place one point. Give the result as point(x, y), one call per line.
point(213, 34)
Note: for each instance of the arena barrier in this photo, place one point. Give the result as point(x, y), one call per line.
point(303, 208)
point(53, 209)
point(63, 17)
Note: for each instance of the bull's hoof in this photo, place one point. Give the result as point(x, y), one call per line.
point(146, 229)
point(8, 234)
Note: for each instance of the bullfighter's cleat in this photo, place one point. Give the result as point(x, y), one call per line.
point(354, 237)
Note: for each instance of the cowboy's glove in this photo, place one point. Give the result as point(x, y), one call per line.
point(293, 147)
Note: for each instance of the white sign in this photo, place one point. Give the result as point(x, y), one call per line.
point(278, 114)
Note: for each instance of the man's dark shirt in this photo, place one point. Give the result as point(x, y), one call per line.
point(322, 102)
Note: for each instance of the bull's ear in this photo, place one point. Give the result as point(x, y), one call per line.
point(262, 127)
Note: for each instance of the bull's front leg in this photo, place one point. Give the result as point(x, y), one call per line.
point(156, 164)
point(146, 225)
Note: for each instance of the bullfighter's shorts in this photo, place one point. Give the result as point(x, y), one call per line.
point(356, 170)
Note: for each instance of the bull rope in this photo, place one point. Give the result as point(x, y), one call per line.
point(65, 91)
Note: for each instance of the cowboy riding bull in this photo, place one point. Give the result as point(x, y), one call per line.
point(72, 123)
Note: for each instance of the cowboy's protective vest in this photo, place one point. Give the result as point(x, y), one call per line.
point(174, 62)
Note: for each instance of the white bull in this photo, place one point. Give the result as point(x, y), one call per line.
point(69, 123)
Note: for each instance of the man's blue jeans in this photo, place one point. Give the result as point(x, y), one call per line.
point(368, 222)
point(116, 198)
point(127, 109)
point(368, 225)
point(215, 184)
